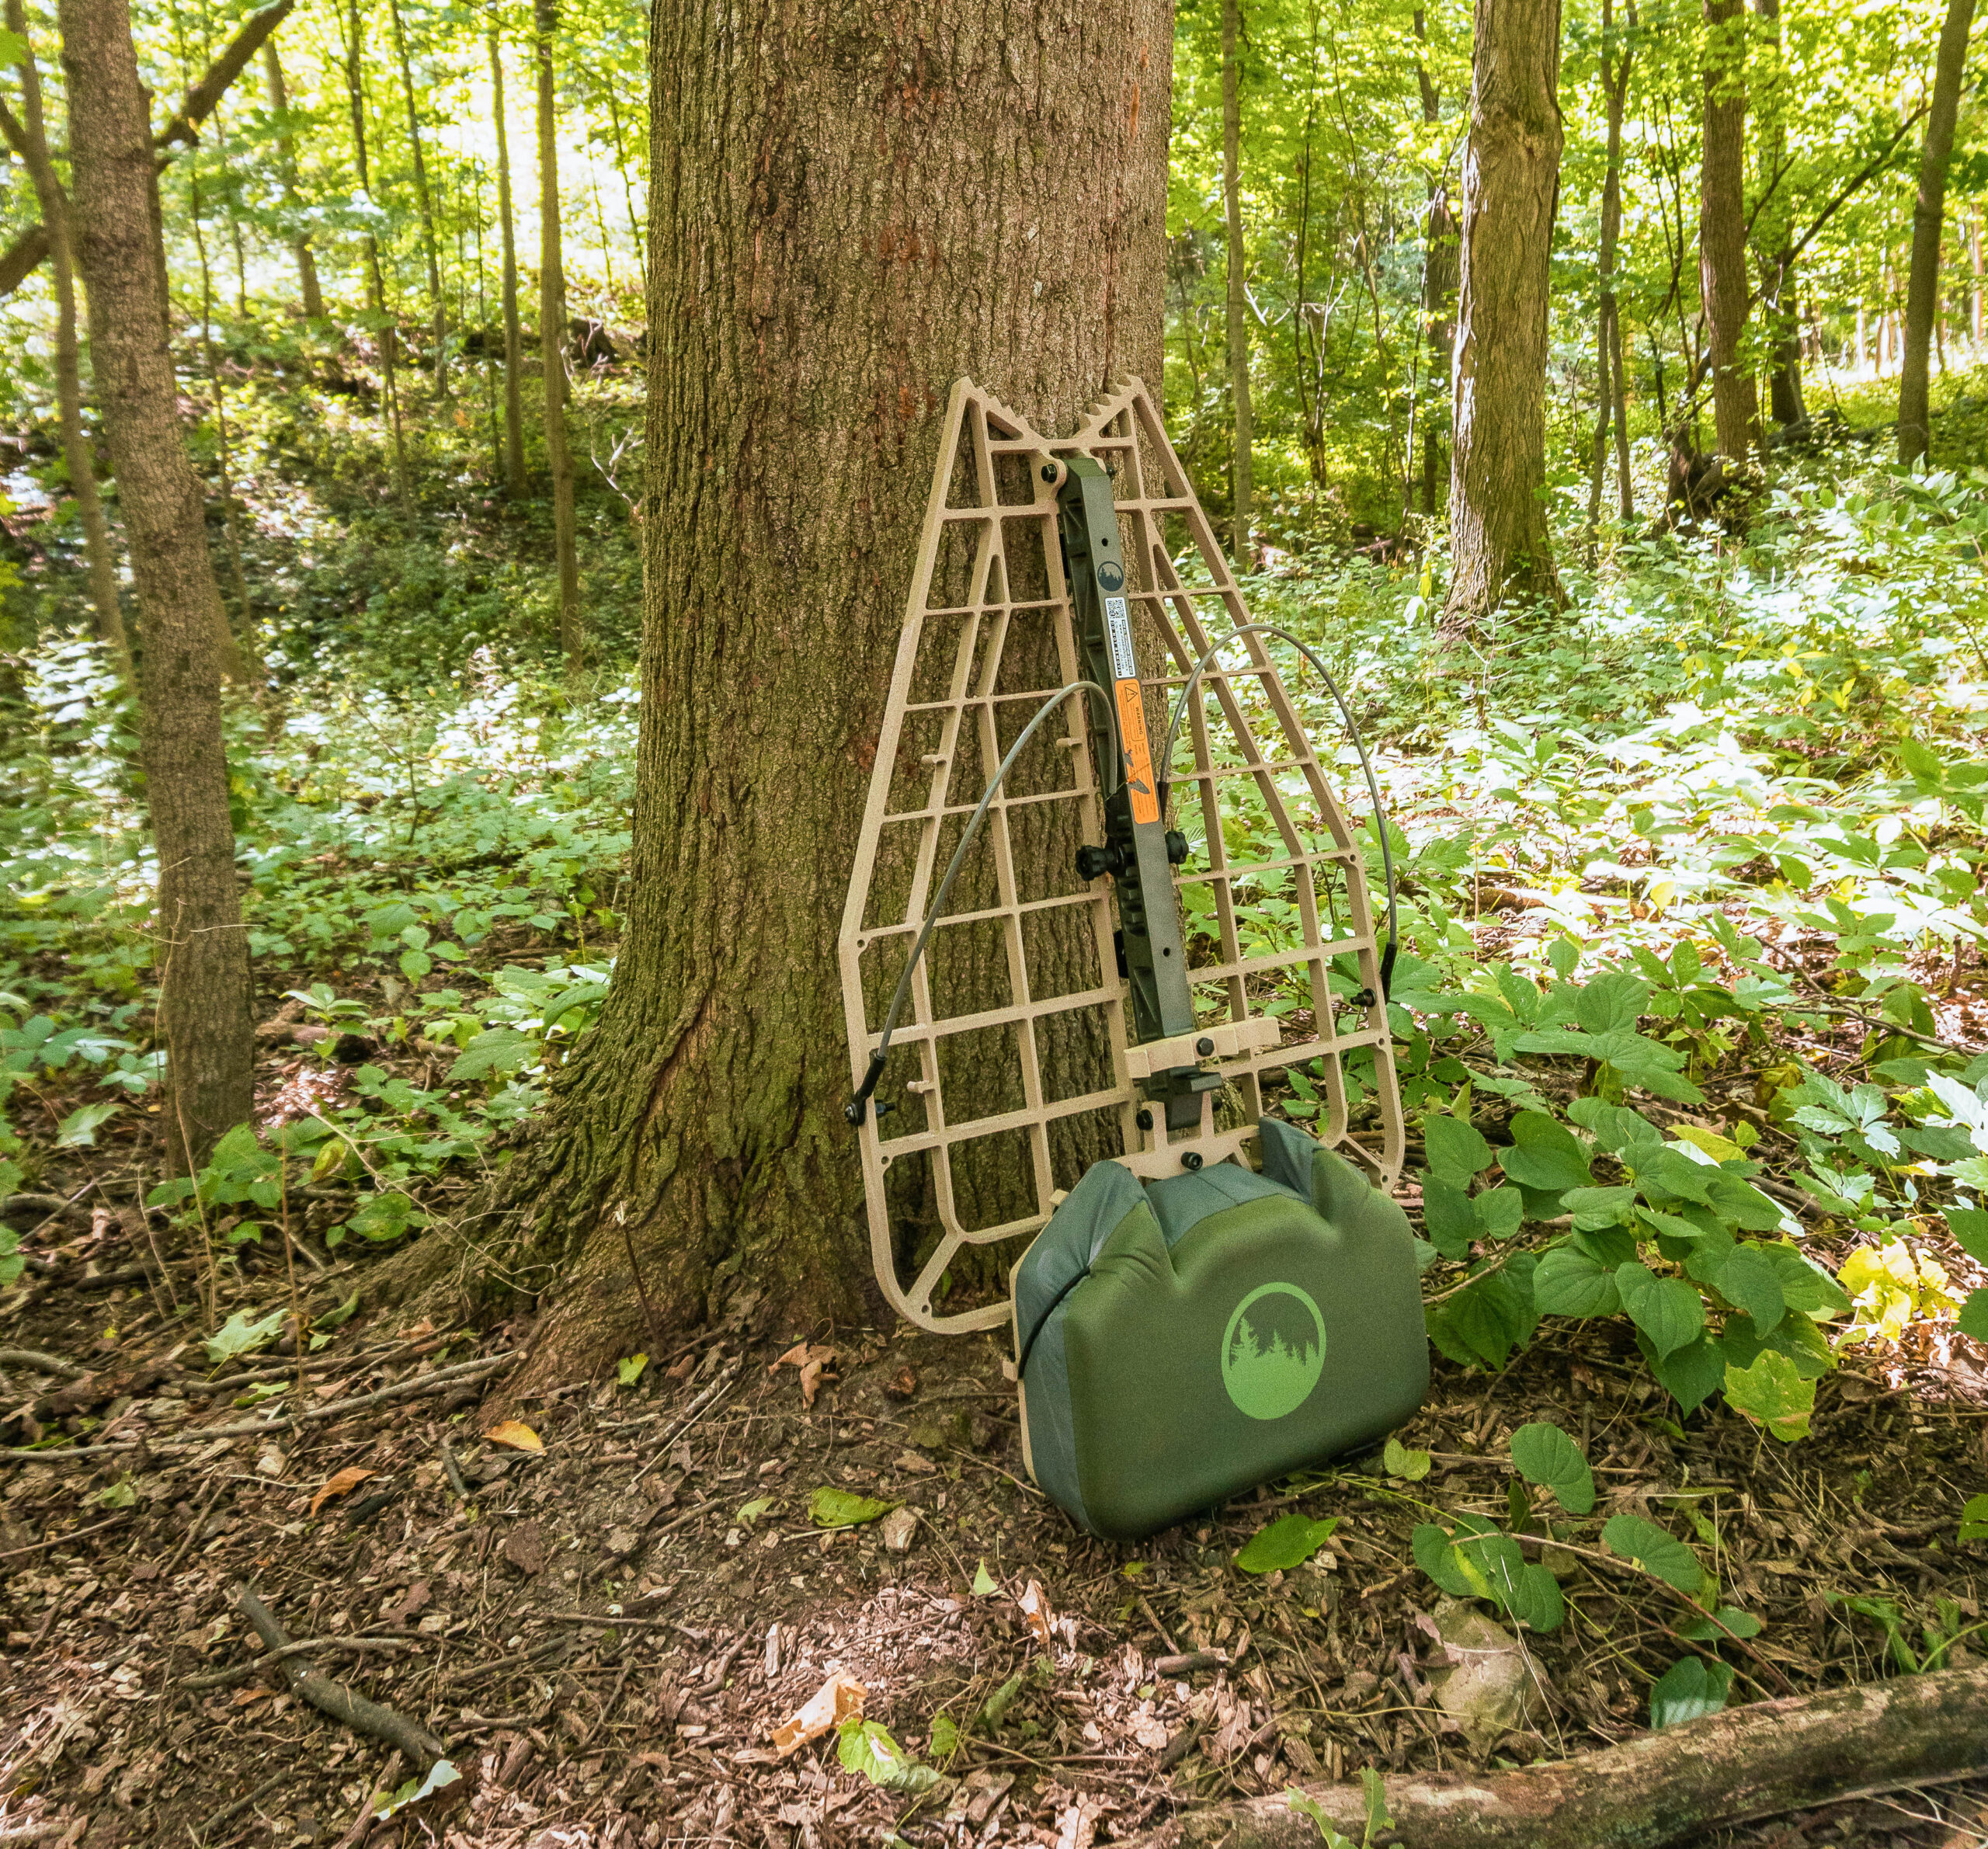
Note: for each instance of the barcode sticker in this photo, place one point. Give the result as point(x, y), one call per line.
point(1119, 628)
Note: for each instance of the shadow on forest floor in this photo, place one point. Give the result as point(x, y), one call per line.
point(605, 1633)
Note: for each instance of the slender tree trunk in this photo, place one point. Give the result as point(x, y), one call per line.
point(1511, 177)
point(825, 257)
point(243, 640)
point(621, 166)
point(1243, 475)
point(514, 340)
point(77, 453)
point(1614, 87)
point(1723, 229)
point(1439, 275)
point(206, 992)
point(1975, 302)
point(306, 260)
point(1773, 231)
point(552, 344)
point(1625, 485)
point(1915, 425)
point(424, 202)
point(375, 280)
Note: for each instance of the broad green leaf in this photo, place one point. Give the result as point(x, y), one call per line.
point(1375, 1793)
point(1454, 1150)
point(1542, 1454)
point(832, 1508)
point(1597, 1207)
point(866, 1747)
point(749, 1513)
point(1805, 1285)
point(1308, 1806)
point(1569, 1283)
point(120, 1495)
point(1545, 1154)
point(1398, 1460)
point(1772, 1393)
point(1968, 1225)
point(1656, 1549)
point(985, 1584)
point(78, 1129)
point(1749, 1281)
point(1611, 1002)
point(628, 1370)
point(1737, 1623)
point(239, 1335)
point(1688, 1690)
point(1690, 1374)
point(1667, 1310)
point(1498, 1211)
point(1974, 1519)
point(945, 1736)
point(1433, 1554)
point(1974, 1314)
point(496, 1050)
point(1449, 1216)
point(1288, 1541)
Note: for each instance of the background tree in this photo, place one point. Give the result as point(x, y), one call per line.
point(514, 341)
point(205, 992)
point(1928, 212)
point(552, 343)
point(307, 262)
point(1237, 324)
point(1511, 174)
point(1722, 284)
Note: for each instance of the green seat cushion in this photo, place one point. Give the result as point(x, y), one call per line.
point(1184, 1341)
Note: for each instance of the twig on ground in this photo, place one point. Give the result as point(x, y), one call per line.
point(306, 1680)
point(36, 1547)
point(228, 1812)
point(369, 1805)
point(42, 1363)
point(246, 1671)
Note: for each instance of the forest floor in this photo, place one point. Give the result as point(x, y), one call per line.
point(607, 1633)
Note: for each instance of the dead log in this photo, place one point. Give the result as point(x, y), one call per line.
point(1761, 1760)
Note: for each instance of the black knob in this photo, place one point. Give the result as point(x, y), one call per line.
point(1177, 848)
point(1204, 1046)
point(1093, 861)
point(1144, 1119)
point(1191, 1161)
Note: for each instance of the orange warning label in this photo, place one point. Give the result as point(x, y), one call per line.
point(1138, 754)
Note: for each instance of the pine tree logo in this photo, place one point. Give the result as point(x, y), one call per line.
point(1273, 1350)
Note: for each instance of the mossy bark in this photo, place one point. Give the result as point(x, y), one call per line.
point(850, 207)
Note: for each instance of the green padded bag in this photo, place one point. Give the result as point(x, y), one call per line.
point(1184, 1340)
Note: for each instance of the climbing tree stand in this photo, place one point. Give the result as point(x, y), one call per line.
point(1669, 1788)
point(990, 635)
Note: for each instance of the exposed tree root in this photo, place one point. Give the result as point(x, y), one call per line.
point(1668, 1787)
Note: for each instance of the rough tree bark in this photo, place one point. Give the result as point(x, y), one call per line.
point(77, 452)
point(1722, 287)
point(1922, 299)
point(306, 260)
point(514, 337)
point(552, 343)
point(1511, 181)
point(1681, 1785)
point(205, 999)
point(1243, 472)
point(850, 208)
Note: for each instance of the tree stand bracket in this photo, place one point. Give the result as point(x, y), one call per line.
point(1090, 1071)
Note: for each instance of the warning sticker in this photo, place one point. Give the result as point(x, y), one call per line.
point(1139, 753)
point(1118, 628)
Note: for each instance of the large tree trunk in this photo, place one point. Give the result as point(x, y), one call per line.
point(1242, 476)
point(514, 337)
point(1915, 429)
point(851, 206)
point(552, 344)
point(1511, 181)
point(77, 450)
point(205, 998)
point(306, 260)
point(1722, 285)
point(1682, 1785)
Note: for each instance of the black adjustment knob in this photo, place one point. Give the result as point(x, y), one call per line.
point(1177, 848)
point(1144, 1119)
point(1204, 1046)
point(1191, 1161)
point(1093, 862)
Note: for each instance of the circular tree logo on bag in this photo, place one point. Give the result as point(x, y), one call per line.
point(1273, 1350)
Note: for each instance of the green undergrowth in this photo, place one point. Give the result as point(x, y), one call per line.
point(1690, 997)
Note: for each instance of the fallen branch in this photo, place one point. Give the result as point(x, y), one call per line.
point(246, 1671)
point(460, 1375)
point(1729, 1768)
point(306, 1680)
point(37, 1547)
point(50, 1206)
point(42, 1363)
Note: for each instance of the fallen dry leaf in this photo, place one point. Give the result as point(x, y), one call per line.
point(516, 1433)
point(901, 1386)
point(342, 1484)
point(812, 1358)
point(527, 1547)
point(837, 1700)
point(1035, 1603)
